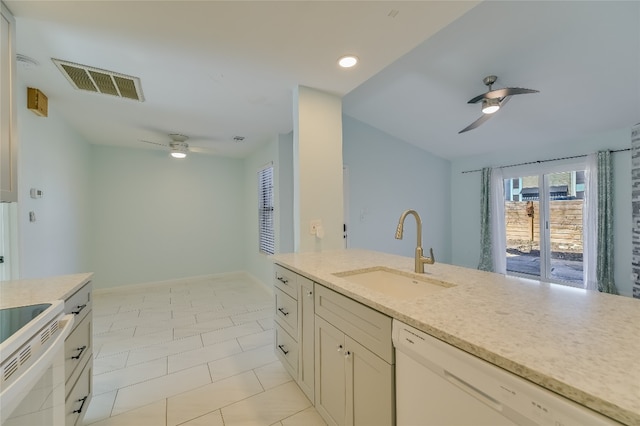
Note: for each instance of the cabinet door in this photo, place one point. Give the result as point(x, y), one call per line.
point(78, 400)
point(330, 373)
point(306, 327)
point(8, 157)
point(370, 387)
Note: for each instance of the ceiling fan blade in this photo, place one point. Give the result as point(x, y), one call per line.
point(154, 143)
point(476, 123)
point(484, 117)
point(504, 101)
point(201, 150)
point(501, 93)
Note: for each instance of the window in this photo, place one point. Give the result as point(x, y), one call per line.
point(266, 239)
point(544, 224)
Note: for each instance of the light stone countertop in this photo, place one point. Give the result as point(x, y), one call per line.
point(40, 290)
point(581, 344)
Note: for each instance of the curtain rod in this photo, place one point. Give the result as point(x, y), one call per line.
point(545, 161)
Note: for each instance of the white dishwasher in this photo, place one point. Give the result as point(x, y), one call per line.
point(439, 385)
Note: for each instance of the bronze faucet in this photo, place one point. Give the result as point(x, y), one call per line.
point(420, 259)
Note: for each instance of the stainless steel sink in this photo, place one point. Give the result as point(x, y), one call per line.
point(394, 283)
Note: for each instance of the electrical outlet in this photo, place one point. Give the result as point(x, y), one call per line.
point(313, 226)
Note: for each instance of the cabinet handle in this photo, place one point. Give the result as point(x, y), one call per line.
point(285, 313)
point(283, 280)
point(339, 348)
point(283, 350)
point(79, 308)
point(81, 349)
point(347, 354)
point(310, 294)
point(83, 400)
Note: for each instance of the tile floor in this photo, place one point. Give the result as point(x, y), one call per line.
point(197, 352)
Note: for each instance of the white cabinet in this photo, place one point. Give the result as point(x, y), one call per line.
point(331, 373)
point(354, 383)
point(8, 113)
point(294, 327)
point(78, 356)
point(306, 319)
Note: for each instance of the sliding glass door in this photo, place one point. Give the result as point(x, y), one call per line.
point(544, 225)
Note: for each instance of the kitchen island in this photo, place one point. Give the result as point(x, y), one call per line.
point(580, 344)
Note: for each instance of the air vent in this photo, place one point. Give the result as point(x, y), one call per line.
point(54, 327)
point(25, 354)
point(10, 368)
point(97, 80)
point(44, 336)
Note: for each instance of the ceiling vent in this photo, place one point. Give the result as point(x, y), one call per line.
point(97, 80)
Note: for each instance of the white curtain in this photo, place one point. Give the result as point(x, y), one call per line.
point(590, 232)
point(498, 231)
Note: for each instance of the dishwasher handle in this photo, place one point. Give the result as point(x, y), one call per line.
point(473, 391)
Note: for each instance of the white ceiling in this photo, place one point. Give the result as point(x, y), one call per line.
point(216, 69)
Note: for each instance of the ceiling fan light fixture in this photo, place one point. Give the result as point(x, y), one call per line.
point(489, 106)
point(179, 147)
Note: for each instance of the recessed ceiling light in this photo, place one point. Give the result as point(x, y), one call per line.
point(348, 61)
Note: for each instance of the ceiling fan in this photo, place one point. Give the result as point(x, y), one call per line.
point(179, 147)
point(493, 100)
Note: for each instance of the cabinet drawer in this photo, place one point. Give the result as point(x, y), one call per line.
point(367, 326)
point(79, 304)
point(286, 312)
point(78, 400)
point(77, 349)
point(287, 350)
point(285, 280)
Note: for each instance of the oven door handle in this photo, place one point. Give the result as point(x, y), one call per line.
point(13, 394)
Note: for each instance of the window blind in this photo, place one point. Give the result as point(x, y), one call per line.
point(266, 240)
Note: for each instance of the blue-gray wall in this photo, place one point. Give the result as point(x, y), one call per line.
point(386, 177)
point(156, 218)
point(55, 159)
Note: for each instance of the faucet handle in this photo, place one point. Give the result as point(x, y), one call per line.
point(431, 260)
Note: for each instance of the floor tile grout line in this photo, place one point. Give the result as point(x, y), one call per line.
point(173, 339)
point(148, 346)
point(178, 394)
point(166, 411)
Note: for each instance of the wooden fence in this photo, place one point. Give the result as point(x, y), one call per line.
point(523, 230)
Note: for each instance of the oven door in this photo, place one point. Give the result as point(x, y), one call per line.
point(37, 396)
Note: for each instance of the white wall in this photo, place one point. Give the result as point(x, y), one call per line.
point(386, 177)
point(465, 201)
point(258, 264)
point(156, 218)
point(285, 193)
point(54, 159)
point(317, 169)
